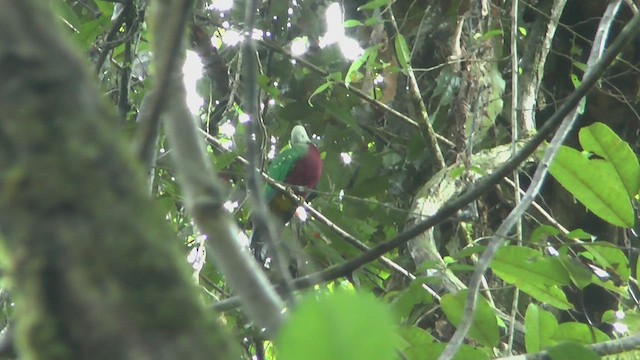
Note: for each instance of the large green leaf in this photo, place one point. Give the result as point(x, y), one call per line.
point(402, 52)
point(515, 263)
point(579, 332)
point(611, 259)
point(534, 274)
point(540, 325)
point(340, 325)
point(484, 329)
point(571, 351)
point(433, 351)
point(599, 139)
point(595, 185)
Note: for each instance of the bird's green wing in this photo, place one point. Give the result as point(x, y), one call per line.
point(282, 165)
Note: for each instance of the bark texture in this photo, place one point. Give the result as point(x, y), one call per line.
point(95, 272)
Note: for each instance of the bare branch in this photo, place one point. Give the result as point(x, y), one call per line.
point(260, 215)
point(611, 347)
point(414, 91)
point(202, 189)
point(534, 59)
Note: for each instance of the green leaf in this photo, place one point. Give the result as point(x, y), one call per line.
point(415, 337)
point(433, 351)
point(339, 325)
point(542, 232)
point(575, 80)
point(611, 259)
point(581, 275)
point(357, 64)
point(319, 90)
point(374, 4)
point(515, 263)
point(402, 52)
point(352, 23)
point(484, 329)
point(490, 34)
point(407, 299)
point(539, 326)
point(572, 351)
point(579, 234)
point(599, 139)
point(592, 183)
point(579, 332)
point(534, 274)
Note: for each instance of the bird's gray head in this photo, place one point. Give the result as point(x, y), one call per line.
point(299, 136)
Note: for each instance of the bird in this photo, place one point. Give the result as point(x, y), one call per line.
point(298, 166)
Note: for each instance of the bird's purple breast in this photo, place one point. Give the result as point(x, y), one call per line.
point(306, 172)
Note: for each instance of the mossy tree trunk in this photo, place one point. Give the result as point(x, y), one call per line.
point(95, 272)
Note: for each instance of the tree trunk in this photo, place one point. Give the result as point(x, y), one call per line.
point(95, 272)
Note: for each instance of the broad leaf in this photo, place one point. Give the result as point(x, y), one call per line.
point(515, 263)
point(534, 274)
point(484, 328)
point(402, 52)
point(611, 259)
point(540, 325)
point(599, 139)
point(433, 351)
point(340, 325)
point(579, 332)
point(592, 183)
point(572, 351)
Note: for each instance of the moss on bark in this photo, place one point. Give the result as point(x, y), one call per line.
point(95, 271)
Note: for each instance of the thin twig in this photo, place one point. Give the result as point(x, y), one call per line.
point(203, 191)
point(515, 134)
point(414, 91)
point(611, 347)
point(109, 44)
point(260, 215)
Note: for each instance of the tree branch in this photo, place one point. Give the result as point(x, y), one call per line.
point(204, 195)
point(611, 347)
point(533, 60)
point(414, 91)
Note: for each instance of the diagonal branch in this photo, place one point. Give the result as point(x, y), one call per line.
point(204, 195)
point(414, 91)
point(611, 347)
point(260, 215)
